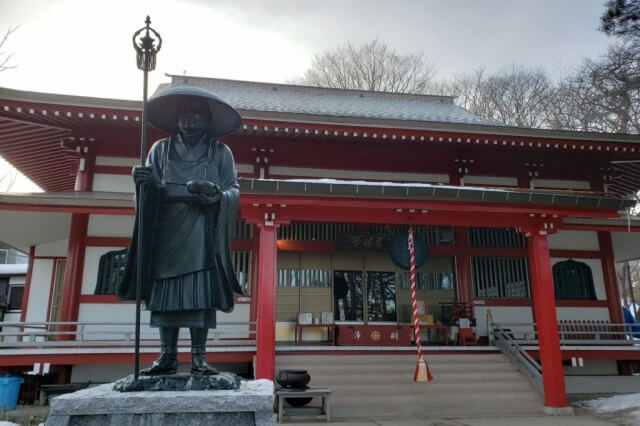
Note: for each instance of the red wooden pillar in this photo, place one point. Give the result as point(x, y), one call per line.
point(463, 265)
point(27, 285)
point(255, 255)
point(86, 167)
point(74, 266)
point(610, 280)
point(544, 305)
point(266, 305)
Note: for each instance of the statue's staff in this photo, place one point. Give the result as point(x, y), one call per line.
point(146, 50)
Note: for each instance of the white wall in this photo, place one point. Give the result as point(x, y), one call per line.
point(598, 276)
point(102, 225)
point(117, 161)
point(560, 184)
point(125, 313)
point(39, 290)
point(490, 180)
point(113, 183)
point(503, 314)
point(574, 240)
point(626, 245)
point(582, 313)
point(53, 249)
point(17, 279)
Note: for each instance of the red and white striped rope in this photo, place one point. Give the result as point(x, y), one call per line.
point(414, 300)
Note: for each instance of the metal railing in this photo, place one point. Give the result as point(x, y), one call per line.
point(596, 332)
point(515, 339)
point(578, 333)
point(109, 334)
point(503, 339)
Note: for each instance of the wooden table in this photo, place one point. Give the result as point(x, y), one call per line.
point(304, 413)
point(330, 332)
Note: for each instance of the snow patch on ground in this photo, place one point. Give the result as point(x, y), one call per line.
point(4, 423)
point(626, 406)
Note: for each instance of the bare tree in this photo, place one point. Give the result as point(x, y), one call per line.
point(4, 56)
point(372, 66)
point(603, 94)
point(621, 18)
point(517, 96)
point(7, 180)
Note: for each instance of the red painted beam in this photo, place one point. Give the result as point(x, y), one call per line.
point(307, 246)
point(108, 242)
point(113, 170)
point(405, 204)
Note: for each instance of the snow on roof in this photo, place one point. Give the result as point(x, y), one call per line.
point(296, 99)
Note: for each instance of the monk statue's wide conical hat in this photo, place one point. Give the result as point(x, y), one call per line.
point(162, 110)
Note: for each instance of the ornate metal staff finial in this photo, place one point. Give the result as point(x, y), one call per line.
point(145, 47)
point(146, 50)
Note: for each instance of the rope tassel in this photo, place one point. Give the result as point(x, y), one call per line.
point(422, 373)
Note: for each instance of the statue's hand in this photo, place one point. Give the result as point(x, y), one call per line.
point(208, 199)
point(141, 174)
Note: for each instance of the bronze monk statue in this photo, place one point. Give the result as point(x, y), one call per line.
point(190, 203)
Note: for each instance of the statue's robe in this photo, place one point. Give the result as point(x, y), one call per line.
point(186, 254)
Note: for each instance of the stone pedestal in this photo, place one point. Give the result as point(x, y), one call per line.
point(251, 404)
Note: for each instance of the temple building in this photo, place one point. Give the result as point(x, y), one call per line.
point(519, 295)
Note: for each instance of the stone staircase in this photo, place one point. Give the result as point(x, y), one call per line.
point(382, 386)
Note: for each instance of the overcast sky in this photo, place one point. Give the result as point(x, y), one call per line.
point(84, 47)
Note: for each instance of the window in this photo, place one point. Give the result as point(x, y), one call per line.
point(348, 296)
point(14, 299)
point(495, 237)
point(573, 280)
point(381, 296)
point(110, 270)
point(500, 277)
point(242, 266)
point(427, 280)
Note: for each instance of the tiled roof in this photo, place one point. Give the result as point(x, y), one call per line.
point(294, 99)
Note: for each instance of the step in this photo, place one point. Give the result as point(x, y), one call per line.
point(432, 388)
point(367, 368)
point(386, 359)
point(461, 409)
point(441, 377)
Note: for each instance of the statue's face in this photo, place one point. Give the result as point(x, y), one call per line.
point(193, 117)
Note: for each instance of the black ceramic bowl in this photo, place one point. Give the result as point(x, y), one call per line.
point(293, 379)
